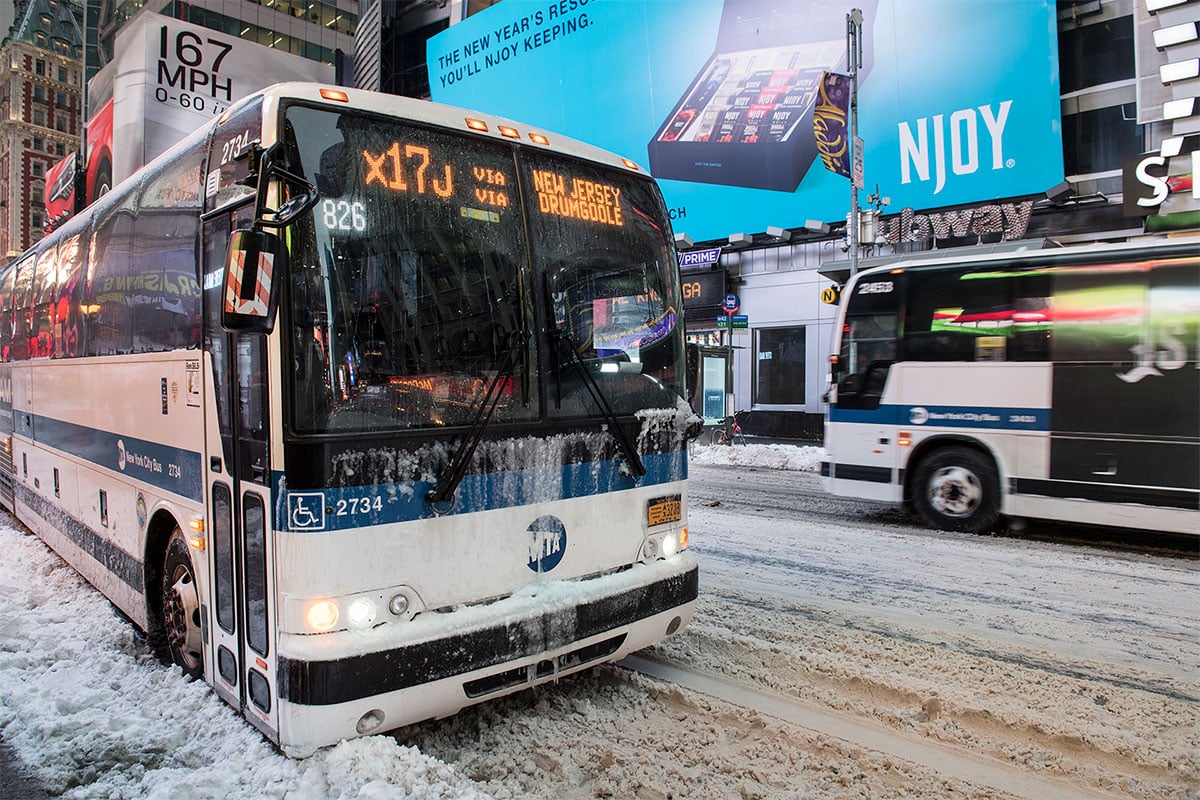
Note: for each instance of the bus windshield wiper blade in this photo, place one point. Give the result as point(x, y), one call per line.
point(456, 469)
point(610, 416)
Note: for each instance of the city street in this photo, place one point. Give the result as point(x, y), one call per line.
point(838, 651)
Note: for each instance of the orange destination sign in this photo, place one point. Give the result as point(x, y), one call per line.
point(577, 198)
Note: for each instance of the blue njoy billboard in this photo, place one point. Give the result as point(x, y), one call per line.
point(958, 102)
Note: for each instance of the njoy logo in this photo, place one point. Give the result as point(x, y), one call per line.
point(960, 133)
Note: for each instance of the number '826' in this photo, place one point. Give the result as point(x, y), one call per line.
point(344, 215)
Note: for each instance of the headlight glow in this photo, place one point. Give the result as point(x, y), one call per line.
point(361, 612)
point(322, 615)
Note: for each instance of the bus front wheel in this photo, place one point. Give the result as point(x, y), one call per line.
point(957, 489)
point(181, 608)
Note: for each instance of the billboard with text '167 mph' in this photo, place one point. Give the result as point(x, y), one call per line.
point(958, 102)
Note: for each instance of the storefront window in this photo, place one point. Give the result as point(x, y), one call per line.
point(779, 361)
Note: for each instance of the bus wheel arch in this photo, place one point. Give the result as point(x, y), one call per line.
point(173, 601)
point(955, 486)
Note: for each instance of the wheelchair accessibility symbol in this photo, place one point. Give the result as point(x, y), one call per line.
point(306, 511)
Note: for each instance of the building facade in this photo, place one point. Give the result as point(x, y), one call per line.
point(40, 80)
point(313, 29)
point(1128, 94)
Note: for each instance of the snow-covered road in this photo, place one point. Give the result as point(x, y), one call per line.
point(845, 654)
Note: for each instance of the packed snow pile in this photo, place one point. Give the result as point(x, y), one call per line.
point(802, 458)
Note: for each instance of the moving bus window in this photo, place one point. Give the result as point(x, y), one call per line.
point(868, 346)
point(405, 300)
point(977, 314)
point(603, 260)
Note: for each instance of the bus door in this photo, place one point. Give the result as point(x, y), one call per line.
point(242, 545)
point(865, 426)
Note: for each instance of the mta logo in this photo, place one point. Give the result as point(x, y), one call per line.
point(547, 544)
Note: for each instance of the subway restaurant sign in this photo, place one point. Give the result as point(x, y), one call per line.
point(1008, 219)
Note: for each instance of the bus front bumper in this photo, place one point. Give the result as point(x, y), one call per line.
point(438, 663)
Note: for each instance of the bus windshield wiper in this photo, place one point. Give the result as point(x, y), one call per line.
point(610, 416)
point(456, 469)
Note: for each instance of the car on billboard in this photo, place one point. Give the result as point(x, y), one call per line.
point(99, 152)
point(60, 190)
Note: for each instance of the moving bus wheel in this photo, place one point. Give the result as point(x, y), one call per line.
point(957, 489)
point(181, 607)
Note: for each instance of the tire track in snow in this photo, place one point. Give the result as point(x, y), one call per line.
point(946, 761)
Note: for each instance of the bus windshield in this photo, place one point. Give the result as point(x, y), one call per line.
point(411, 291)
point(604, 260)
point(406, 300)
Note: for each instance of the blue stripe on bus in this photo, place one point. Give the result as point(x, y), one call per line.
point(344, 508)
point(996, 418)
point(172, 469)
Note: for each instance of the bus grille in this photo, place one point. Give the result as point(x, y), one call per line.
point(542, 669)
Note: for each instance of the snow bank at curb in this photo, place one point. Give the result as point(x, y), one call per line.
point(802, 458)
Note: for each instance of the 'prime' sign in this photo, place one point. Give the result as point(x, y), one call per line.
point(699, 258)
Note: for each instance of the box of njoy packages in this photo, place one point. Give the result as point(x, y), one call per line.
point(747, 117)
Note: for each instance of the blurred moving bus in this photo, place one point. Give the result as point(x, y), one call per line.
point(1058, 384)
point(303, 398)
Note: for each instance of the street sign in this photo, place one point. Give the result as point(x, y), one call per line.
point(739, 321)
point(731, 303)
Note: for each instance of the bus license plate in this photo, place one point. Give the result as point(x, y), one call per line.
point(662, 510)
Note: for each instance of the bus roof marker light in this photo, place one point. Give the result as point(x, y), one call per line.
point(335, 94)
point(631, 164)
point(477, 124)
point(538, 138)
point(509, 133)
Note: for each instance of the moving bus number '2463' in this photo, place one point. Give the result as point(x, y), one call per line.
point(364, 408)
point(1059, 384)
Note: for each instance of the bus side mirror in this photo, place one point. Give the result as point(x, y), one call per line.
point(253, 271)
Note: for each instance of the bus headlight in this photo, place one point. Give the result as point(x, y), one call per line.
point(664, 545)
point(322, 615)
point(361, 612)
point(358, 611)
point(398, 605)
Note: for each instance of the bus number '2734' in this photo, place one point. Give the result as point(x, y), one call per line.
point(358, 505)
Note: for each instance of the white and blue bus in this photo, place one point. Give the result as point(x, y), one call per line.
point(1057, 384)
point(364, 408)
